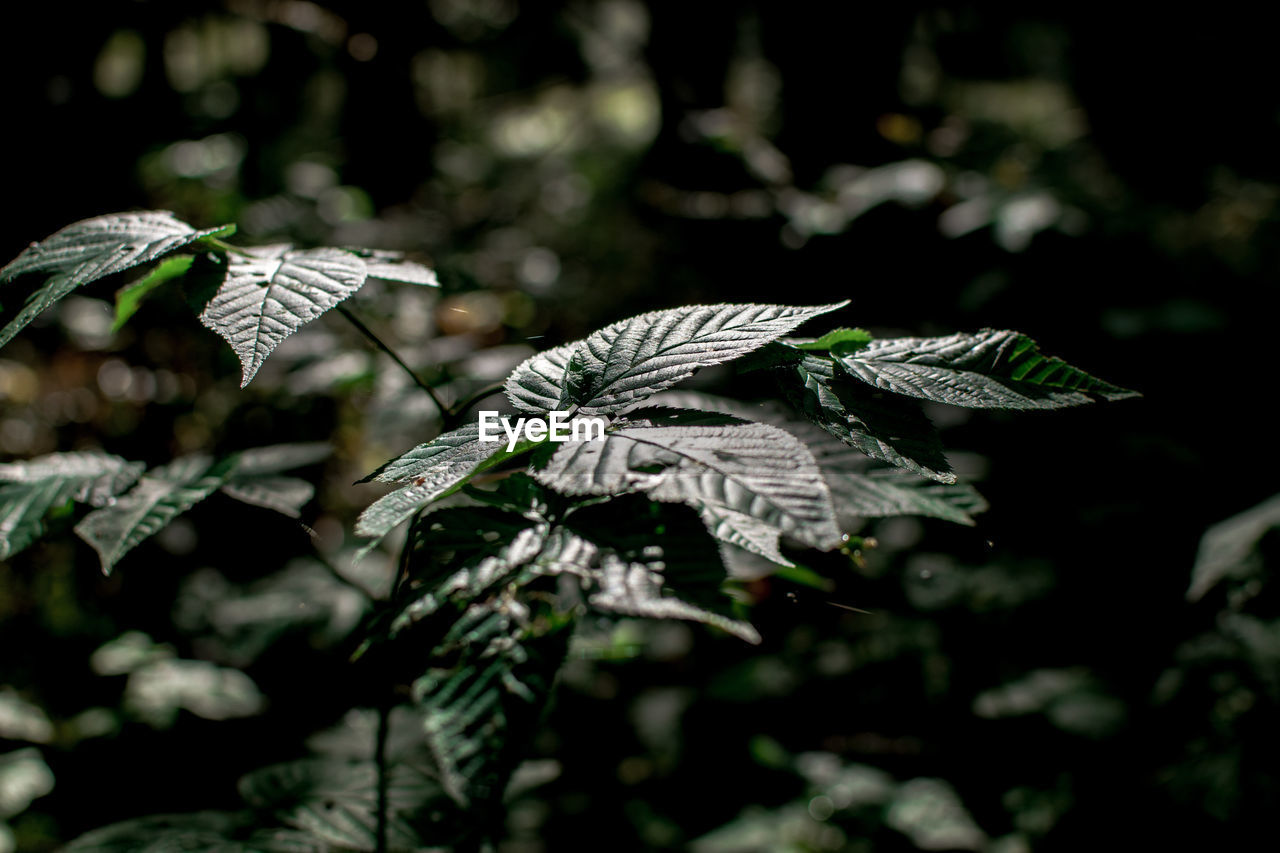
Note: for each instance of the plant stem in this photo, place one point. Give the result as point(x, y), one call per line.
point(378, 342)
point(380, 757)
point(460, 409)
point(224, 246)
point(331, 568)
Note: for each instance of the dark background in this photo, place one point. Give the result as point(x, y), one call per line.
point(1107, 185)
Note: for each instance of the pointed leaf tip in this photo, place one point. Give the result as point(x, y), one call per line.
point(634, 358)
point(272, 291)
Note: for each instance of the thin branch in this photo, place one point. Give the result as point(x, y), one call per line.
point(378, 342)
point(224, 246)
point(320, 558)
point(380, 757)
point(460, 409)
point(406, 554)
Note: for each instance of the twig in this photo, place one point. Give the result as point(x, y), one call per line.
point(460, 409)
point(331, 568)
point(378, 342)
point(380, 757)
point(225, 246)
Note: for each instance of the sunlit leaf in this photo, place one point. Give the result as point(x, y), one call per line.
point(30, 490)
point(92, 249)
point(891, 491)
point(274, 458)
point(157, 690)
point(987, 370)
point(285, 495)
point(195, 832)
point(460, 555)
point(336, 801)
point(270, 292)
point(880, 425)
point(640, 560)
point(392, 266)
point(836, 341)
point(479, 713)
point(430, 471)
point(732, 471)
point(129, 299)
point(858, 487)
point(1229, 549)
point(24, 778)
point(22, 720)
point(160, 496)
point(629, 360)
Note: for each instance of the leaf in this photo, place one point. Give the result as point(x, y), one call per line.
point(431, 470)
point(24, 777)
point(480, 713)
point(41, 485)
point(987, 370)
point(461, 555)
point(883, 427)
point(159, 497)
point(857, 488)
point(891, 491)
point(197, 832)
point(645, 560)
point(254, 476)
point(462, 444)
point(392, 266)
point(92, 249)
point(274, 458)
point(630, 360)
point(129, 299)
point(836, 341)
point(275, 290)
point(159, 688)
point(739, 475)
point(337, 801)
point(285, 495)
point(466, 554)
point(1229, 549)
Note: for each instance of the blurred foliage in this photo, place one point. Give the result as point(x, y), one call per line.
point(1037, 682)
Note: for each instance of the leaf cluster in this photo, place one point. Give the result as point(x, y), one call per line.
point(508, 548)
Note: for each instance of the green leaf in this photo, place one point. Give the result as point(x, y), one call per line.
point(630, 360)
point(431, 470)
point(837, 341)
point(1229, 549)
point(892, 491)
point(336, 801)
point(285, 495)
point(92, 249)
point(461, 445)
point(275, 458)
point(672, 569)
point(129, 299)
point(987, 370)
point(270, 292)
point(463, 554)
point(38, 486)
point(392, 266)
point(24, 778)
point(857, 489)
point(159, 497)
point(640, 559)
point(882, 426)
point(198, 832)
point(481, 711)
point(751, 482)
